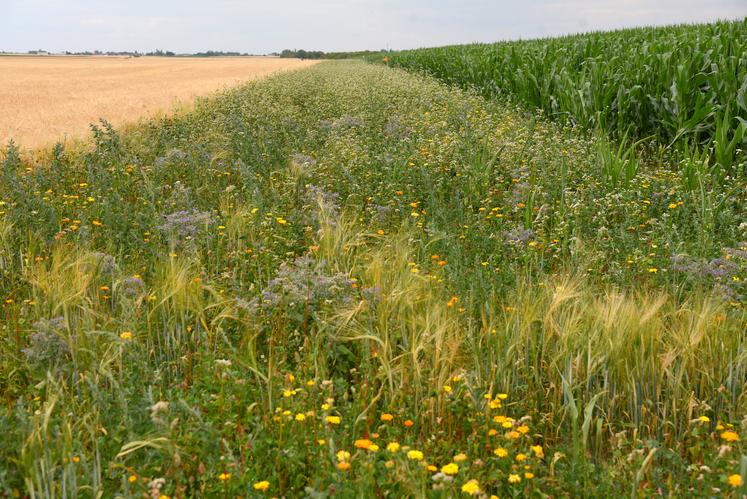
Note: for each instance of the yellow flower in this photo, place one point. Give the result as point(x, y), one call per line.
point(310, 383)
point(343, 466)
point(432, 468)
point(300, 417)
point(523, 429)
point(507, 424)
point(392, 447)
point(321, 441)
point(500, 452)
point(333, 419)
point(415, 455)
point(125, 336)
point(263, 485)
point(460, 457)
point(386, 417)
point(343, 455)
point(513, 435)
point(373, 448)
point(450, 469)
point(492, 432)
point(503, 396)
point(520, 457)
point(132, 478)
point(735, 480)
point(528, 475)
point(512, 478)
point(538, 451)
point(447, 388)
point(288, 393)
point(325, 407)
point(224, 476)
point(653, 270)
point(472, 487)
point(730, 436)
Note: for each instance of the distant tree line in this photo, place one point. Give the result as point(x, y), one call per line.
point(318, 54)
point(291, 54)
point(155, 53)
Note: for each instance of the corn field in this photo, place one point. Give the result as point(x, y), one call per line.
point(684, 86)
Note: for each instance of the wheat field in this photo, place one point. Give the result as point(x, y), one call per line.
point(45, 99)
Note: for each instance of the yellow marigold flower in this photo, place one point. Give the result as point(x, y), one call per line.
point(538, 451)
point(386, 417)
point(513, 435)
point(288, 393)
point(224, 476)
point(325, 407)
point(333, 419)
point(523, 429)
point(528, 475)
point(507, 424)
point(300, 417)
point(495, 404)
point(343, 455)
point(704, 419)
point(431, 468)
point(415, 455)
point(502, 396)
point(492, 432)
point(472, 487)
point(450, 469)
point(343, 466)
point(392, 447)
point(452, 301)
point(499, 419)
point(500, 452)
point(447, 388)
point(513, 478)
point(373, 448)
point(460, 457)
point(730, 436)
point(263, 485)
point(125, 335)
point(672, 206)
point(310, 383)
point(520, 457)
point(363, 443)
point(735, 480)
point(132, 478)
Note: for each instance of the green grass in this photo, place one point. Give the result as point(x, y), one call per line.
point(199, 298)
point(684, 86)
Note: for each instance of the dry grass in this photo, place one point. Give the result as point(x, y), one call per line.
point(45, 99)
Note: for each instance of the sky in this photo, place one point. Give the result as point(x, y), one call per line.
point(260, 27)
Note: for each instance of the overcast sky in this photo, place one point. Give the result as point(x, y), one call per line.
point(329, 25)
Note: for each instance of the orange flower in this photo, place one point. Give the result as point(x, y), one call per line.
point(386, 417)
point(409, 423)
point(363, 443)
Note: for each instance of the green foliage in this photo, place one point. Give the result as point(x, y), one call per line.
point(279, 284)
